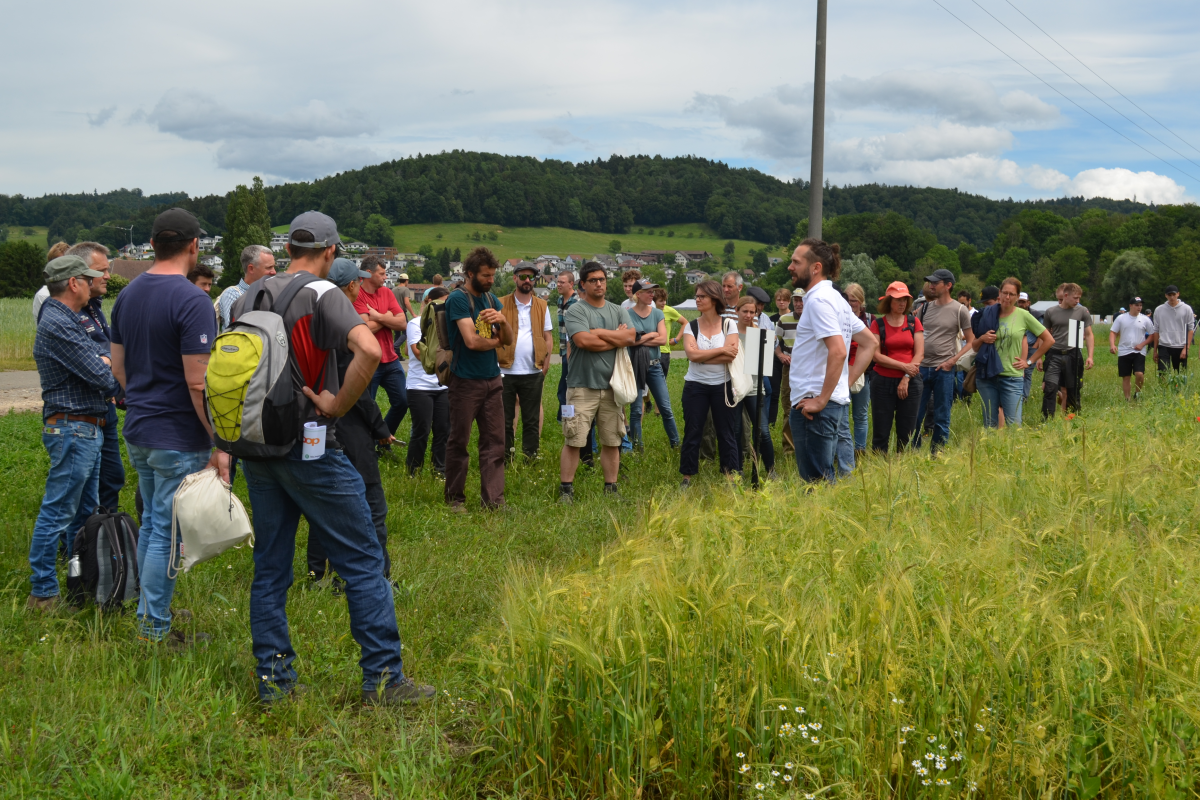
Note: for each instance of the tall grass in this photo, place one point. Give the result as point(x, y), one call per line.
point(18, 330)
point(1017, 619)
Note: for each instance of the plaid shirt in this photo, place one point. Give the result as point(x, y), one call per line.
point(227, 299)
point(74, 379)
point(563, 341)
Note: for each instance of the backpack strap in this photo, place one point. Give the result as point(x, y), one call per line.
point(695, 326)
point(259, 290)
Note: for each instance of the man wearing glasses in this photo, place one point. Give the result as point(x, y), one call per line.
point(596, 329)
point(76, 381)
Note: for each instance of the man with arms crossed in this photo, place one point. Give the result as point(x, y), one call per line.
point(596, 328)
point(944, 319)
point(76, 384)
point(328, 491)
point(162, 332)
point(1063, 363)
point(820, 371)
point(1136, 331)
point(1174, 327)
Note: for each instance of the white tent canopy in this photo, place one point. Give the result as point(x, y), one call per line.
point(686, 305)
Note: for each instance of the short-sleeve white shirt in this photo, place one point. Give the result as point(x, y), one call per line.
point(826, 313)
point(1133, 330)
point(523, 355)
point(418, 379)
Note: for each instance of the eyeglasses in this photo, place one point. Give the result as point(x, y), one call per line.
point(595, 280)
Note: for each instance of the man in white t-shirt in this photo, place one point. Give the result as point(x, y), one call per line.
point(524, 363)
point(1136, 331)
point(820, 372)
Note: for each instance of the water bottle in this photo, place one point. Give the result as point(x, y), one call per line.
point(74, 569)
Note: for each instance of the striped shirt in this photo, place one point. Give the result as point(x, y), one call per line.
point(228, 298)
point(786, 331)
point(74, 379)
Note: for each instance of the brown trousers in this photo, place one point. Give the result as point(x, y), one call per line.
point(473, 401)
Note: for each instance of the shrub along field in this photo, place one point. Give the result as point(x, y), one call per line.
point(1015, 619)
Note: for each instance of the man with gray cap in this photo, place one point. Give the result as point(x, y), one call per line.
point(328, 491)
point(163, 328)
point(944, 320)
point(77, 381)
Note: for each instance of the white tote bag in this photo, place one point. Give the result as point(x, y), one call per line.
point(623, 383)
point(208, 518)
point(743, 384)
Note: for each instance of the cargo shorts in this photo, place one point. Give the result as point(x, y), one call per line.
point(598, 405)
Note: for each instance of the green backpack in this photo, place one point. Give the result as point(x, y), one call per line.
point(435, 353)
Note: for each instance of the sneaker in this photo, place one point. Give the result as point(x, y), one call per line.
point(458, 508)
point(566, 498)
point(43, 604)
point(686, 483)
point(404, 693)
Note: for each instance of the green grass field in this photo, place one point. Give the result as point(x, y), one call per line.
point(18, 329)
point(526, 242)
point(16, 233)
point(1028, 600)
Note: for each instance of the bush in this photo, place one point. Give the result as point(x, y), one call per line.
point(116, 283)
point(21, 268)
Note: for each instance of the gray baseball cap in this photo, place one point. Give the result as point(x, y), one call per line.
point(321, 226)
point(64, 267)
point(343, 271)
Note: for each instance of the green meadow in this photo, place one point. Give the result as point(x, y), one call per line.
point(1014, 619)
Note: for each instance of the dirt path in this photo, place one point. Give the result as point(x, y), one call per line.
point(20, 390)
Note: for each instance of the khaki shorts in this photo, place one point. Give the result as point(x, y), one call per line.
point(598, 405)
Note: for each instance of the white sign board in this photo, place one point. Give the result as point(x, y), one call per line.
point(757, 339)
point(1075, 329)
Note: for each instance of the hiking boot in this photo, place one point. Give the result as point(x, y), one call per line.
point(404, 693)
point(458, 508)
point(566, 498)
point(43, 604)
point(686, 483)
point(297, 690)
point(177, 641)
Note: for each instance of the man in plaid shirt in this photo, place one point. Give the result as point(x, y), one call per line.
point(76, 381)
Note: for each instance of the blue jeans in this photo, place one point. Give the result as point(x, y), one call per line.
point(657, 383)
point(860, 404)
point(845, 443)
point(159, 474)
point(330, 495)
point(1027, 386)
point(939, 383)
point(816, 441)
point(74, 450)
point(391, 377)
point(1002, 391)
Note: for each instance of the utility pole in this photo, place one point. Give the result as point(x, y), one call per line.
point(816, 191)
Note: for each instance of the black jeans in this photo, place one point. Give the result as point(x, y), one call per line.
point(429, 410)
point(745, 416)
point(665, 361)
point(887, 407)
point(1171, 357)
point(527, 388)
point(377, 502)
point(700, 400)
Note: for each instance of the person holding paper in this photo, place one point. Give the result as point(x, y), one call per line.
point(1064, 364)
point(750, 407)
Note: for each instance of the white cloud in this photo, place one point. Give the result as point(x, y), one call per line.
point(1122, 184)
point(104, 115)
point(921, 143)
point(560, 136)
point(294, 159)
point(961, 98)
point(199, 117)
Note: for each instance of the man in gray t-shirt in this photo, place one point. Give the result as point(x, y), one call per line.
point(1064, 363)
point(1174, 327)
point(943, 318)
point(596, 329)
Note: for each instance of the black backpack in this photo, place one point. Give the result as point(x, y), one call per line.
point(103, 565)
point(910, 326)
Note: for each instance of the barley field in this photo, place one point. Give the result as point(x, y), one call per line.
point(1016, 619)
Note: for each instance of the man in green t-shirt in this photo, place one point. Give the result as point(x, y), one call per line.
point(475, 328)
point(596, 329)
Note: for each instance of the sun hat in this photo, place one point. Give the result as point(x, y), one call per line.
point(897, 289)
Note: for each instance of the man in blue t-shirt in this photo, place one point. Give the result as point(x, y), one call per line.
point(476, 328)
point(163, 329)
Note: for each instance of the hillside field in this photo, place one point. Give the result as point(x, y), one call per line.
point(1028, 601)
point(16, 233)
point(526, 242)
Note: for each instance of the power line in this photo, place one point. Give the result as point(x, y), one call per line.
point(1065, 97)
point(1086, 89)
point(1106, 83)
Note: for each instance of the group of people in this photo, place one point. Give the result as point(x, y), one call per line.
point(838, 369)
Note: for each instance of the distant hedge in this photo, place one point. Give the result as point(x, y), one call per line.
point(21, 266)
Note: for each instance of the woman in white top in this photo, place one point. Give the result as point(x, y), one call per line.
point(747, 315)
point(711, 344)
point(428, 402)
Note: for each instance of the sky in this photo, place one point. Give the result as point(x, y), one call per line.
point(167, 97)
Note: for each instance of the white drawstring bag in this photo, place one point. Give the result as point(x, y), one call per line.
point(208, 518)
point(623, 382)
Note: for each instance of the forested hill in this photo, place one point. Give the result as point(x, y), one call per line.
point(603, 195)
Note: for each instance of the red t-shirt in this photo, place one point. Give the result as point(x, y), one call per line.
point(382, 301)
point(899, 344)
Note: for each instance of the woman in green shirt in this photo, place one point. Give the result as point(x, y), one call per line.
point(1007, 389)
